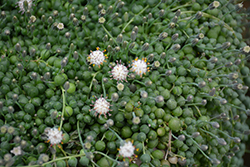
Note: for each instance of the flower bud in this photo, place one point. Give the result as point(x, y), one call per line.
point(237, 139)
point(144, 94)
point(178, 13)
point(204, 102)
point(18, 47)
point(163, 55)
point(225, 45)
point(174, 19)
point(176, 47)
point(83, 18)
point(132, 45)
point(150, 16)
point(20, 66)
point(223, 101)
point(221, 141)
point(145, 47)
point(66, 85)
point(163, 35)
point(124, 44)
point(213, 59)
point(161, 13)
point(228, 64)
point(10, 109)
point(194, 41)
point(215, 124)
point(215, 161)
point(190, 98)
point(168, 72)
point(110, 10)
point(182, 162)
point(119, 38)
point(15, 97)
point(195, 134)
point(110, 122)
point(48, 46)
point(115, 15)
point(159, 99)
point(114, 97)
point(89, 138)
point(117, 48)
point(50, 20)
point(75, 55)
point(204, 147)
point(175, 36)
point(109, 48)
point(181, 137)
point(212, 92)
point(198, 15)
point(17, 139)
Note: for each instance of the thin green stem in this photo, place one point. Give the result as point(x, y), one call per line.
point(132, 19)
point(198, 146)
point(63, 110)
point(109, 34)
point(103, 88)
point(115, 134)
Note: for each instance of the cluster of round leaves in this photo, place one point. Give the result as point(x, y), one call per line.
point(190, 108)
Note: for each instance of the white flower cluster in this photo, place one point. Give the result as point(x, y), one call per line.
point(127, 149)
point(97, 57)
point(120, 72)
point(139, 66)
point(54, 136)
point(16, 151)
point(101, 106)
point(21, 3)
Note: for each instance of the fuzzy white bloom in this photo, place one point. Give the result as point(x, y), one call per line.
point(127, 150)
point(54, 136)
point(97, 57)
point(139, 66)
point(16, 151)
point(20, 3)
point(101, 106)
point(119, 72)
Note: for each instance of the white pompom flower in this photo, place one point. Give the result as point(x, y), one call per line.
point(101, 106)
point(21, 4)
point(16, 151)
point(127, 149)
point(139, 66)
point(54, 136)
point(97, 57)
point(120, 72)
